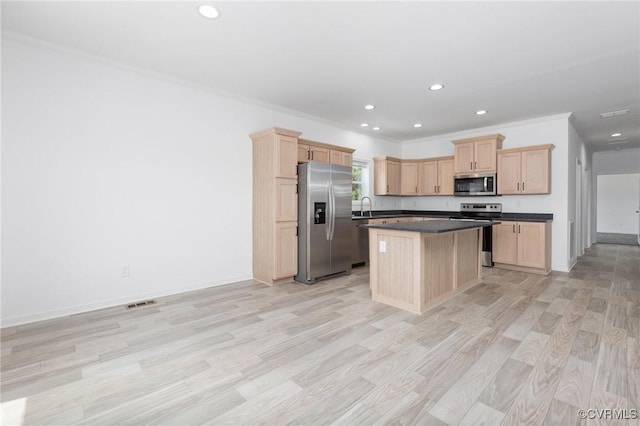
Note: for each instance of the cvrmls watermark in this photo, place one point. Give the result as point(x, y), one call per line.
point(609, 414)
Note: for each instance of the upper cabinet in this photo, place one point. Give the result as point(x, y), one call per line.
point(347, 158)
point(340, 157)
point(323, 153)
point(525, 170)
point(427, 176)
point(286, 156)
point(477, 155)
point(435, 176)
point(408, 178)
point(304, 154)
point(319, 154)
point(386, 176)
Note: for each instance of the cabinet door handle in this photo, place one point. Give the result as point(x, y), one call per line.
point(312, 155)
point(308, 155)
point(471, 165)
point(475, 165)
point(518, 229)
point(518, 186)
point(514, 228)
point(416, 189)
point(387, 188)
point(523, 186)
point(438, 189)
point(435, 188)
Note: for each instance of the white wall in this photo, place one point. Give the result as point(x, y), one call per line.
point(616, 162)
point(579, 188)
point(548, 130)
point(105, 166)
point(625, 161)
point(618, 200)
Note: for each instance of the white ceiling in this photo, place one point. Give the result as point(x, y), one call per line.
point(518, 60)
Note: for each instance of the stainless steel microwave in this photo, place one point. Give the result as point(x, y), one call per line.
point(475, 184)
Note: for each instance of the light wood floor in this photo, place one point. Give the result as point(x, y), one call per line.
point(516, 349)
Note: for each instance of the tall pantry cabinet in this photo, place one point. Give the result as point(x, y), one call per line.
point(275, 205)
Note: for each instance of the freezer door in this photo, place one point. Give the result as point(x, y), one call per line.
point(317, 243)
point(341, 184)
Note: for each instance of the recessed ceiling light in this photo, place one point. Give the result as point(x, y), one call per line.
point(436, 86)
point(481, 112)
point(417, 125)
point(369, 106)
point(614, 113)
point(615, 135)
point(376, 128)
point(364, 125)
point(208, 11)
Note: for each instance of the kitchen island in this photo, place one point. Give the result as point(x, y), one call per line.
point(415, 265)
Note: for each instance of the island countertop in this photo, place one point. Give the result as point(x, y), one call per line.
point(432, 226)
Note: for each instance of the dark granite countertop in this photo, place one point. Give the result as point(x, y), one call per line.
point(382, 214)
point(432, 226)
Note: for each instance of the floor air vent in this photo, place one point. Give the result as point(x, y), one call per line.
point(139, 304)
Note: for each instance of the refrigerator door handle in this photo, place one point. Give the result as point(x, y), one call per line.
point(332, 213)
point(333, 225)
point(327, 223)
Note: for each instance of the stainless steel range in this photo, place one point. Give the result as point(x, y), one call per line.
point(482, 212)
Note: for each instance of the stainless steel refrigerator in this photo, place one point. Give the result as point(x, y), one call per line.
point(324, 221)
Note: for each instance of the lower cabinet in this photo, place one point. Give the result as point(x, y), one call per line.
point(383, 221)
point(286, 250)
point(524, 246)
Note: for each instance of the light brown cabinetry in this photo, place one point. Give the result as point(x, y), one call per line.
point(386, 220)
point(286, 251)
point(319, 154)
point(525, 170)
point(436, 176)
point(417, 270)
point(286, 200)
point(340, 157)
point(275, 243)
point(386, 176)
point(408, 178)
point(324, 153)
point(335, 157)
point(523, 246)
point(347, 159)
point(304, 154)
point(427, 176)
point(476, 155)
point(308, 152)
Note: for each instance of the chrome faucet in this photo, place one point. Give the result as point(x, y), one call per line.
point(362, 206)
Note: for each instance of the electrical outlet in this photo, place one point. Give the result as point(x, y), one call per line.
point(382, 246)
point(124, 271)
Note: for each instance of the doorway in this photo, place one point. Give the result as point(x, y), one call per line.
point(618, 202)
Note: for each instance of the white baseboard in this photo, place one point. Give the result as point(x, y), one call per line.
point(88, 307)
